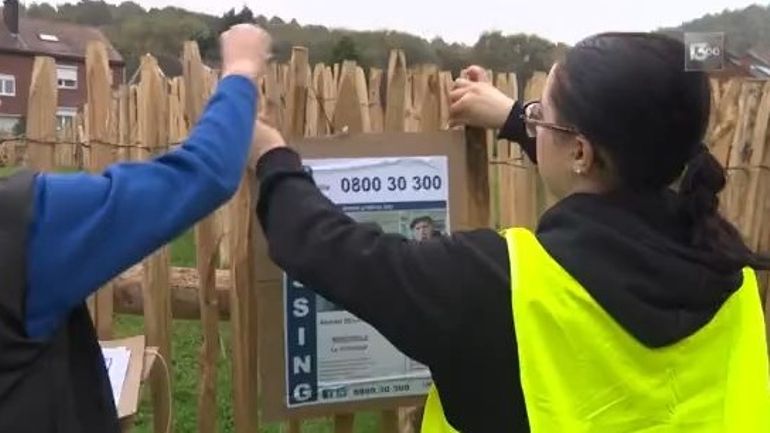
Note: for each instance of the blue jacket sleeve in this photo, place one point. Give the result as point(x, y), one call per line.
point(88, 228)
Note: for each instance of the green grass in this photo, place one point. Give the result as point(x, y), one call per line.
point(7, 171)
point(186, 340)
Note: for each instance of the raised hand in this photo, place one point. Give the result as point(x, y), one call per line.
point(245, 50)
point(475, 73)
point(474, 101)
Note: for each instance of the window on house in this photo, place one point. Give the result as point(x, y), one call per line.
point(7, 85)
point(65, 117)
point(8, 124)
point(67, 76)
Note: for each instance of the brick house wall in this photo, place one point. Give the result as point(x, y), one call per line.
point(20, 66)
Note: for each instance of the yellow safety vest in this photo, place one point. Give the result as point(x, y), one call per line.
point(581, 372)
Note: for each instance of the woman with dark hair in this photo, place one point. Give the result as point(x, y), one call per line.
point(633, 307)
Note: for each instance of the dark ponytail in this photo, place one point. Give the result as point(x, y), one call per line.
point(699, 189)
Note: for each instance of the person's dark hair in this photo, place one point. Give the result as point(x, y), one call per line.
point(630, 95)
point(422, 219)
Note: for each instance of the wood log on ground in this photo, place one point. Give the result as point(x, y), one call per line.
point(184, 293)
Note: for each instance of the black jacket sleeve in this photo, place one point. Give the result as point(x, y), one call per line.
point(419, 295)
point(514, 129)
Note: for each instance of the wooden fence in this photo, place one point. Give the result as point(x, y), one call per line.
point(138, 121)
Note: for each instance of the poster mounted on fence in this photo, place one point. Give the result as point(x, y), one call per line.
point(321, 359)
point(331, 355)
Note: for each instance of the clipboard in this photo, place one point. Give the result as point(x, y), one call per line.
point(129, 395)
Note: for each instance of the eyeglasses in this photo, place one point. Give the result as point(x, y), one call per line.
point(533, 117)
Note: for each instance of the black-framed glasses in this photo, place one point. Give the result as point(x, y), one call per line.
point(533, 117)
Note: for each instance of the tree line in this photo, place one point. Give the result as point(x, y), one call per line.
point(135, 31)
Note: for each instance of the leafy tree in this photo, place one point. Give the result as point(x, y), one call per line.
point(127, 10)
point(42, 10)
point(89, 12)
point(345, 49)
point(524, 54)
point(230, 18)
point(744, 29)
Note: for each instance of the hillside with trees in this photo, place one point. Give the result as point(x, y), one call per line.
point(744, 28)
point(135, 31)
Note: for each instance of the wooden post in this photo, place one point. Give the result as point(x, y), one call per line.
point(527, 187)
point(746, 196)
point(352, 111)
point(445, 86)
point(508, 84)
point(344, 423)
point(113, 127)
point(241, 212)
point(196, 92)
point(152, 114)
point(376, 113)
point(759, 187)
point(133, 122)
point(82, 137)
point(41, 115)
point(724, 121)
point(390, 420)
point(336, 74)
point(478, 208)
point(412, 122)
point(176, 106)
point(298, 83)
point(313, 104)
point(99, 87)
point(196, 89)
point(65, 148)
point(427, 100)
point(395, 109)
point(758, 156)
point(716, 94)
point(123, 122)
point(85, 153)
point(478, 178)
point(735, 195)
point(329, 93)
point(272, 105)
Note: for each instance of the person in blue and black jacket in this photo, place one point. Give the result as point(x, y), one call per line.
point(63, 236)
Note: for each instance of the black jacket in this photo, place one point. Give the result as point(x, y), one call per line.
point(447, 302)
point(58, 384)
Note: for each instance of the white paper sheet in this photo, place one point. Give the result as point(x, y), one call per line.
point(331, 355)
point(116, 359)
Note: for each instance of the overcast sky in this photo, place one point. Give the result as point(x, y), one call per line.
point(463, 21)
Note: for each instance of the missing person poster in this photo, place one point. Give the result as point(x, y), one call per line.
point(331, 355)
